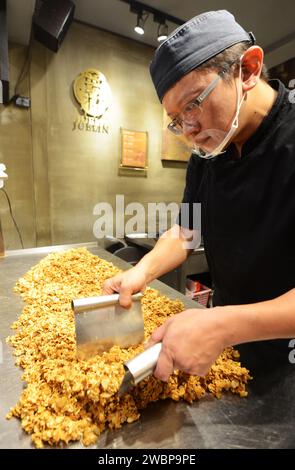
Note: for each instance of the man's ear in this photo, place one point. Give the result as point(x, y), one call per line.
point(252, 62)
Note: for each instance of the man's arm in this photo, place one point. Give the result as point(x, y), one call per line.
point(263, 320)
point(193, 339)
point(169, 252)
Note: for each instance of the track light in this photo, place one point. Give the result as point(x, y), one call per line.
point(139, 28)
point(160, 18)
point(143, 12)
point(162, 32)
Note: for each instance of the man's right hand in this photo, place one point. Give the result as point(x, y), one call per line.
point(126, 283)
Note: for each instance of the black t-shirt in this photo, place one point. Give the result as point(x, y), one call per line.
point(248, 210)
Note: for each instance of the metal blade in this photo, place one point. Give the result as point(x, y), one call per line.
point(127, 383)
point(102, 323)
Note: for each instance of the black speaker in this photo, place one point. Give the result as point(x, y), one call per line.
point(4, 64)
point(51, 21)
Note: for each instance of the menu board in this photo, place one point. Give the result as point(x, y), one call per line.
point(134, 149)
point(174, 148)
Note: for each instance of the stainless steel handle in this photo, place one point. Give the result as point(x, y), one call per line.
point(143, 365)
point(89, 303)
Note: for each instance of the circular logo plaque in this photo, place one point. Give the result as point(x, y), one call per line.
point(92, 92)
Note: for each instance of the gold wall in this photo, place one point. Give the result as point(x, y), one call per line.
point(56, 174)
point(16, 153)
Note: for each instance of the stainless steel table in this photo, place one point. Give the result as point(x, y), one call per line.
point(266, 419)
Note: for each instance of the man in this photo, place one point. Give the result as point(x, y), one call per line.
point(210, 77)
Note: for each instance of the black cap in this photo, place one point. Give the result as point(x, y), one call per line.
point(192, 44)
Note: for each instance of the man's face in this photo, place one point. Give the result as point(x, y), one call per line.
point(217, 110)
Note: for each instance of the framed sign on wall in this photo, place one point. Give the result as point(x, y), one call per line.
point(134, 150)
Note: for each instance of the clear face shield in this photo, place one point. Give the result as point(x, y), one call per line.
point(210, 142)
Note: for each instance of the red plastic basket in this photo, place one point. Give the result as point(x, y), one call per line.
point(203, 297)
point(199, 292)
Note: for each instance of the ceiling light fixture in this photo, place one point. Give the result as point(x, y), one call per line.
point(139, 28)
point(162, 32)
point(162, 26)
point(143, 11)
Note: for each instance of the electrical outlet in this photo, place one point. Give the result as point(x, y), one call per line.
point(22, 101)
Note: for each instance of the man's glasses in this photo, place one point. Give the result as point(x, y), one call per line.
point(192, 111)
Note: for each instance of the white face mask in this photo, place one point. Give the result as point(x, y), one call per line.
point(218, 138)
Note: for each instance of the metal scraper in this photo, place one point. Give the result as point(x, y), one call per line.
point(140, 367)
point(101, 323)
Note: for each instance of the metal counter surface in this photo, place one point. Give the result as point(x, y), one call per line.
point(265, 419)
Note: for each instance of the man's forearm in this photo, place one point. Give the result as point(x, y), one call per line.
point(260, 321)
point(168, 253)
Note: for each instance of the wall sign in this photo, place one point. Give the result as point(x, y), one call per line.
point(93, 93)
point(133, 150)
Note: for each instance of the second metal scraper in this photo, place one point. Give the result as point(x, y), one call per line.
point(140, 367)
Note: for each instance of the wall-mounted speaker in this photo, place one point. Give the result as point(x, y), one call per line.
point(51, 21)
